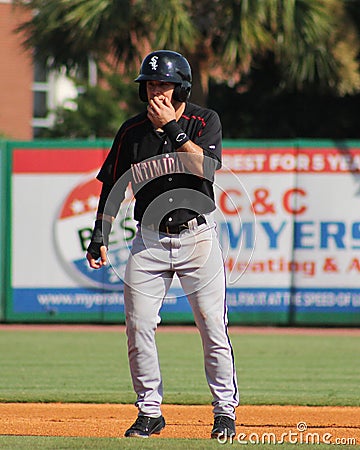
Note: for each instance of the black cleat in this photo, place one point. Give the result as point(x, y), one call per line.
point(145, 426)
point(224, 428)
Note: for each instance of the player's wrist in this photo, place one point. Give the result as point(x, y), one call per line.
point(175, 133)
point(100, 237)
point(102, 229)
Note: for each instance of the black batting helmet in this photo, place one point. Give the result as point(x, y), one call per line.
point(168, 66)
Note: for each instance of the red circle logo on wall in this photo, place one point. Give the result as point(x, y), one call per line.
point(73, 228)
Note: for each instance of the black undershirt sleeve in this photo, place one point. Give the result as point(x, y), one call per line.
point(109, 203)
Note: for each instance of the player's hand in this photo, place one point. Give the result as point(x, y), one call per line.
point(161, 111)
point(102, 261)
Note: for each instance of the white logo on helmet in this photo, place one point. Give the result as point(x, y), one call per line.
point(153, 62)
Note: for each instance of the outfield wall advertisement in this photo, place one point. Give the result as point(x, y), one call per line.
point(288, 221)
point(4, 229)
point(306, 260)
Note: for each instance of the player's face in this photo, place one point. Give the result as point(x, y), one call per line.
point(160, 89)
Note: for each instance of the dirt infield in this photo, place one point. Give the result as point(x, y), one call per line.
point(254, 423)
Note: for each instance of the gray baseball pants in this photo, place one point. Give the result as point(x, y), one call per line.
point(195, 256)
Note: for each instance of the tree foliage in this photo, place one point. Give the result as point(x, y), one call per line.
point(312, 40)
point(100, 111)
point(308, 46)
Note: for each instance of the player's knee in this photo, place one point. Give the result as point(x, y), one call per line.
point(141, 323)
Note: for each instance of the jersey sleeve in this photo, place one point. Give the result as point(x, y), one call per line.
point(115, 174)
point(210, 138)
point(115, 163)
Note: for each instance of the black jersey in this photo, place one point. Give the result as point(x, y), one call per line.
point(160, 181)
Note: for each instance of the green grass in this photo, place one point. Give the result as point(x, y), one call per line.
point(301, 370)
point(34, 442)
point(92, 367)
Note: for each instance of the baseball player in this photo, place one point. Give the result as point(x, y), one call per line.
point(169, 153)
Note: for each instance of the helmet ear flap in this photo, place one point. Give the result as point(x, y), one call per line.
point(182, 91)
point(143, 92)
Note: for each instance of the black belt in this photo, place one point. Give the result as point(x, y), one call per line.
point(177, 229)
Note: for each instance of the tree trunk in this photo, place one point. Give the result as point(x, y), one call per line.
point(199, 90)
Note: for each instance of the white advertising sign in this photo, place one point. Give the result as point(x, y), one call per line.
point(288, 221)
